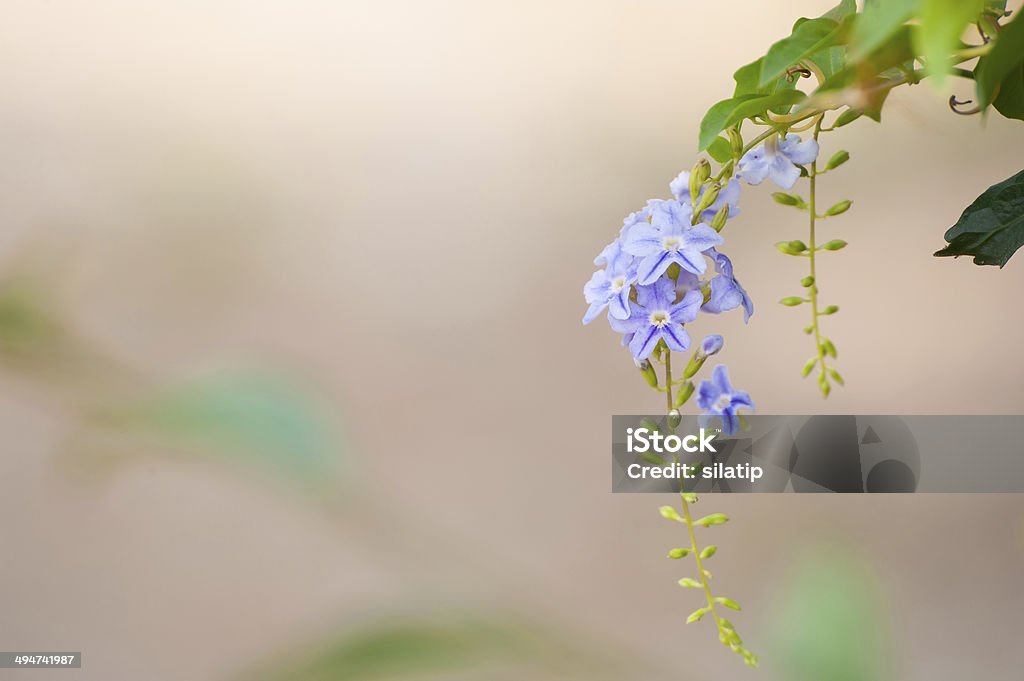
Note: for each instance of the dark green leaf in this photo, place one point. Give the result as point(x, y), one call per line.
point(877, 23)
point(731, 111)
point(1010, 101)
point(809, 37)
point(943, 22)
point(1002, 62)
point(992, 228)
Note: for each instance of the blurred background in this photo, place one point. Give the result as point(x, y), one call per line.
point(293, 380)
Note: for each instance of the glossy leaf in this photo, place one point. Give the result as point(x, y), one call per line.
point(808, 37)
point(992, 228)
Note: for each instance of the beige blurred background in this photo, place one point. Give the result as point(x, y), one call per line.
point(396, 204)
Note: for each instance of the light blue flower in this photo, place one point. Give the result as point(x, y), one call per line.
point(726, 292)
point(777, 159)
point(656, 316)
point(729, 195)
point(718, 398)
point(711, 344)
point(668, 239)
point(610, 287)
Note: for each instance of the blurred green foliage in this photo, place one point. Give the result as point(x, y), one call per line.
point(251, 416)
point(831, 623)
point(479, 647)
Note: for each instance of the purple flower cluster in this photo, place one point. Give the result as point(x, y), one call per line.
point(663, 270)
point(647, 300)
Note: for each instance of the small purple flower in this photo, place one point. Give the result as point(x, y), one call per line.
point(729, 195)
point(610, 287)
point(718, 398)
point(777, 159)
point(726, 292)
point(669, 239)
point(655, 316)
point(711, 344)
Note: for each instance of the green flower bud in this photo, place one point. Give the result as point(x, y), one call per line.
point(808, 367)
point(825, 389)
point(651, 376)
point(836, 377)
point(792, 301)
point(690, 497)
point(688, 583)
point(807, 281)
point(694, 365)
point(709, 197)
point(835, 245)
point(839, 208)
point(728, 602)
point(674, 419)
point(698, 176)
point(670, 513)
point(718, 222)
point(785, 248)
point(676, 554)
point(831, 309)
point(838, 159)
point(696, 615)
point(847, 117)
point(788, 199)
point(797, 245)
point(708, 552)
point(809, 329)
point(830, 349)
point(685, 391)
point(713, 519)
point(736, 142)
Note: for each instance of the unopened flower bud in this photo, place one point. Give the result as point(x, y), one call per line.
point(676, 554)
point(834, 245)
point(649, 374)
point(718, 222)
point(792, 301)
point(787, 199)
point(736, 142)
point(838, 159)
point(839, 208)
point(711, 344)
point(709, 196)
point(698, 176)
point(674, 419)
point(807, 282)
point(685, 392)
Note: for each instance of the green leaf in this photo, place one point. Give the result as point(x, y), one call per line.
point(808, 37)
point(879, 21)
point(942, 24)
point(1010, 101)
point(730, 111)
point(720, 150)
point(717, 118)
point(844, 9)
point(991, 229)
point(250, 417)
point(1006, 57)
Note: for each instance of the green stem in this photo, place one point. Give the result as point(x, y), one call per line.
point(812, 252)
